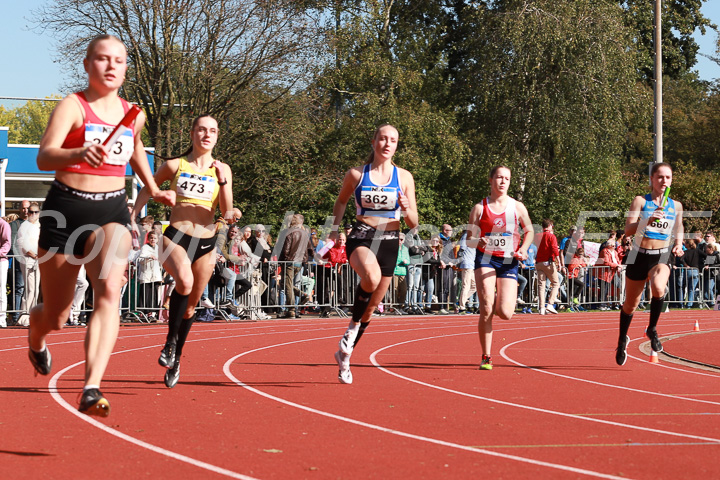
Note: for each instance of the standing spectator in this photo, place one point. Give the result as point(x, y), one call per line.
point(526, 270)
point(446, 260)
point(400, 276)
point(19, 280)
point(431, 273)
point(607, 266)
point(571, 243)
point(335, 256)
point(466, 265)
point(27, 239)
point(547, 263)
point(5, 246)
point(81, 286)
point(149, 275)
point(710, 272)
point(693, 259)
point(295, 251)
point(416, 249)
point(576, 278)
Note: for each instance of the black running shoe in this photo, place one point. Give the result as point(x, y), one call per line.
point(621, 352)
point(42, 361)
point(654, 341)
point(167, 356)
point(172, 375)
point(93, 403)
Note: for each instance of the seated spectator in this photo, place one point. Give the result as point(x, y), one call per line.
point(576, 277)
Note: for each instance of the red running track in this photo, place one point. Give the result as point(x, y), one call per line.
point(262, 400)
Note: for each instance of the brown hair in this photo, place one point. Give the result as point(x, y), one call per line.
point(495, 169)
point(657, 166)
point(190, 148)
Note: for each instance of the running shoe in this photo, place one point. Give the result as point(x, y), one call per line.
point(172, 375)
point(654, 341)
point(41, 361)
point(621, 351)
point(550, 309)
point(486, 362)
point(344, 373)
point(347, 342)
point(93, 403)
point(167, 356)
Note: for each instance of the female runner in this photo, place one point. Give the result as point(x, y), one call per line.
point(381, 191)
point(89, 184)
point(653, 225)
point(188, 244)
point(498, 219)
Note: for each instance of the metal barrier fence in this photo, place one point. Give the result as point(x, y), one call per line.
point(287, 289)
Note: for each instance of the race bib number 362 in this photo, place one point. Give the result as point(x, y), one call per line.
point(118, 154)
point(378, 198)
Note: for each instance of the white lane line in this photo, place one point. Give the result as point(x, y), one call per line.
point(228, 373)
point(153, 448)
point(374, 361)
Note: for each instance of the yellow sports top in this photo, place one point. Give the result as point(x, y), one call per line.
point(197, 188)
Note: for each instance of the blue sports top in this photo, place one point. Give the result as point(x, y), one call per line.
point(658, 229)
point(374, 200)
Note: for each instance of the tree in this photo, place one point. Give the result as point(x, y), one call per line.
point(27, 122)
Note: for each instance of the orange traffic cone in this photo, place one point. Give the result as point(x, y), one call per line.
point(654, 357)
point(697, 327)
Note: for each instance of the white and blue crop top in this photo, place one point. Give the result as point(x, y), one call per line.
point(659, 229)
point(374, 200)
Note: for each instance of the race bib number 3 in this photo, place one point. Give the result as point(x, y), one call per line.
point(378, 198)
point(194, 186)
point(120, 152)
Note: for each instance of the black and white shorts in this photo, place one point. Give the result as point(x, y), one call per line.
point(385, 245)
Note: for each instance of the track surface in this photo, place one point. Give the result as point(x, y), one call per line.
point(262, 400)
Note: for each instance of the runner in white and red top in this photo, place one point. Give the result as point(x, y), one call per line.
point(497, 225)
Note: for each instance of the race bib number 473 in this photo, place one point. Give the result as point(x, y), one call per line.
point(194, 186)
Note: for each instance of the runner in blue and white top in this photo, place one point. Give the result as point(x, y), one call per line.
point(656, 221)
point(383, 193)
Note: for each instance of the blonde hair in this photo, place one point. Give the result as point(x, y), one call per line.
point(100, 38)
point(371, 156)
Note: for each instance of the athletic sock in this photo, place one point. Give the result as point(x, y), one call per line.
point(625, 321)
point(90, 387)
point(178, 306)
point(182, 335)
point(361, 330)
point(655, 310)
point(362, 300)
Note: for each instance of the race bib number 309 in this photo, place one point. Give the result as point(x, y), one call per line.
point(118, 154)
point(498, 242)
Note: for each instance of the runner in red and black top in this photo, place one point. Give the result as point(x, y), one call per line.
point(497, 224)
point(85, 214)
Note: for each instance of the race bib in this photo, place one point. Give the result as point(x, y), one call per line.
point(118, 154)
point(499, 242)
point(190, 185)
point(378, 198)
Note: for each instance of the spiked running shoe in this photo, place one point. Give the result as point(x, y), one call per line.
point(41, 361)
point(172, 375)
point(486, 363)
point(167, 356)
point(621, 352)
point(347, 342)
point(344, 373)
point(654, 341)
point(93, 403)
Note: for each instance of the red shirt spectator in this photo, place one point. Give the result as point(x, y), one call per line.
point(548, 247)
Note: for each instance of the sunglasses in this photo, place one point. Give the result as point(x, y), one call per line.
point(34, 211)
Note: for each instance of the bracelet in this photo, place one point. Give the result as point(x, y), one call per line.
point(222, 183)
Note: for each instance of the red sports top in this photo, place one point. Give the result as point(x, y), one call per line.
point(502, 228)
point(95, 130)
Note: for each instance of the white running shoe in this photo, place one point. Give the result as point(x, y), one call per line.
point(205, 302)
point(344, 373)
point(551, 309)
point(542, 311)
point(347, 342)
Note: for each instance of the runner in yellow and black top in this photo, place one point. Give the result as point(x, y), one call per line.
point(188, 247)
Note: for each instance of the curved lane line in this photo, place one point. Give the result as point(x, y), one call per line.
point(228, 373)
